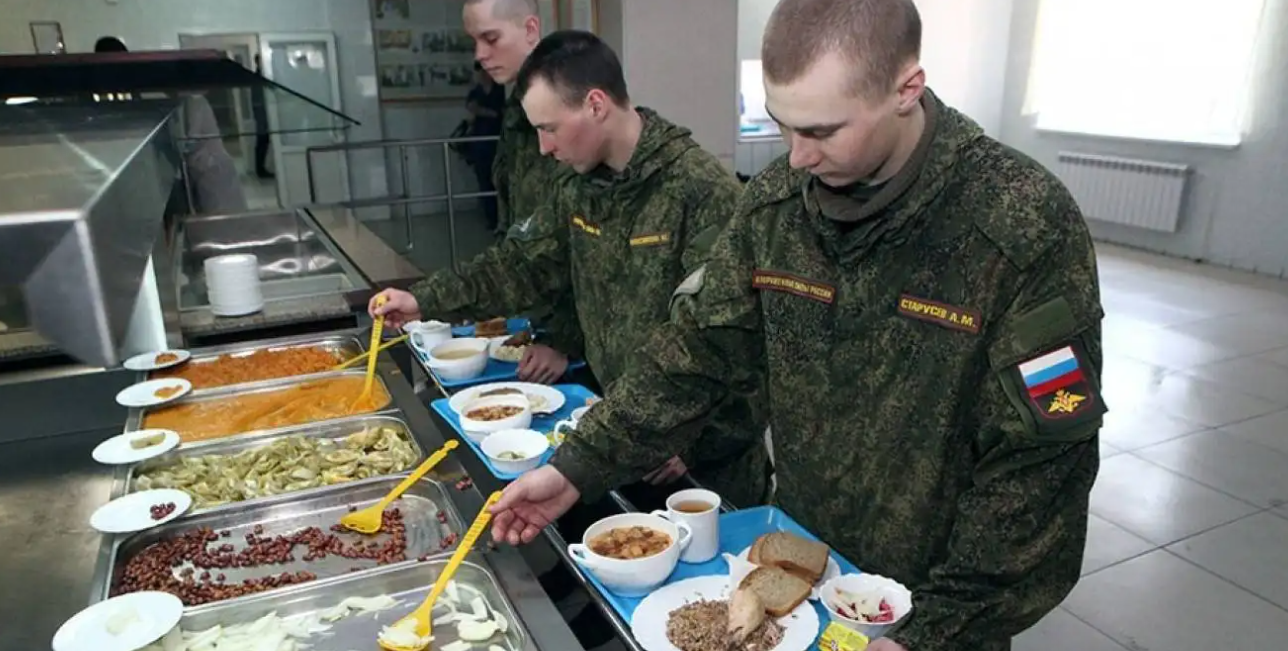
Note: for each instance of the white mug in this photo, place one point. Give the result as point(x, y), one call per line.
point(423, 336)
point(704, 526)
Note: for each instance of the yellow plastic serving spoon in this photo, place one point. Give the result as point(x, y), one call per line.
point(421, 616)
point(376, 328)
point(368, 520)
point(363, 357)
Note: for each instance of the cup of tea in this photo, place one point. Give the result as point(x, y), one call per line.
point(700, 510)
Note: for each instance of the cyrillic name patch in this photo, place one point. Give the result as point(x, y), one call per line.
point(587, 226)
point(650, 239)
point(803, 287)
point(948, 316)
point(1057, 387)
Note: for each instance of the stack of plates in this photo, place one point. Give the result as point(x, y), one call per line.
point(232, 282)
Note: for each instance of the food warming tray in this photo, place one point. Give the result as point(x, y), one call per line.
point(343, 347)
point(738, 530)
point(335, 430)
point(408, 584)
point(284, 514)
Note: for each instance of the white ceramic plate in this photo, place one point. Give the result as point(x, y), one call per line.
point(148, 361)
point(648, 624)
point(833, 570)
point(554, 399)
point(154, 614)
point(133, 512)
point(143, 394)
point(117, 450)
point(494, 349)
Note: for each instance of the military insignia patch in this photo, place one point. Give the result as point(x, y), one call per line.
point(585, 225)
point(803, 287)
point(650, 239)
point(942, 314)
point(1057, 387)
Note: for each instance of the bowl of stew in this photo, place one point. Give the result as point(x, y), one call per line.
point(631, 554)
point(482, 417)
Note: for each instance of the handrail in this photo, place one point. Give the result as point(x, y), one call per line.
point(404, 198)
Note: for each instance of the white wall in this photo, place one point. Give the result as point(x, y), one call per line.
point(680, 59)
point(964, 51)
point(1236, 211)
point(156, 24)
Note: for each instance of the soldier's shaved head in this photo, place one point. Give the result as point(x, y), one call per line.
point(878, 37)
point(515, 10)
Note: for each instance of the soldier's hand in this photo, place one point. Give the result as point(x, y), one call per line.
point(399, 308)
point(530, 503)
point(668, 472)
point(542, 364)
point(885, 644)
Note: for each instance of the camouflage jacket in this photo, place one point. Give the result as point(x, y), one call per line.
point(523, 178)
point(932, 377)
point(622, 243)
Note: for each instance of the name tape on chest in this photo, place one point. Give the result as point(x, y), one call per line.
point(1056, 386)
point(805, 288)
point(585, 225)
point(948, 316)
point(650, 239)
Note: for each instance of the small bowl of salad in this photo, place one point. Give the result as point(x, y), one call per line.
point(868, 603)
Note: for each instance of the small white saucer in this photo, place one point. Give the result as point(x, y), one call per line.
point(148, 361)
point(133, 512)
point(143, 394)
point(117, 450)
point(143, 617)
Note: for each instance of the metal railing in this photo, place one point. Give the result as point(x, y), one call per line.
point(404, 199)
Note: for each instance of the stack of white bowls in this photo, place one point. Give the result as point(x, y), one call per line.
point(232, 283)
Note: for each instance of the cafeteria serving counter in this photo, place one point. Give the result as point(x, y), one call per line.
point(55, 564)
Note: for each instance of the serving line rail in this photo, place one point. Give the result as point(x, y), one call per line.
point(537, 622)
point(550, 534)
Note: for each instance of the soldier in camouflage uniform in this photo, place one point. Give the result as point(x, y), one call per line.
point(505, 32)
point(924, 300)
point(638, 216)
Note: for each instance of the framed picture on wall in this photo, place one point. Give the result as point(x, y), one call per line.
point(47, 37)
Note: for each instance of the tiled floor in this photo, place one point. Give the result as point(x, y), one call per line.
point(1188, 543)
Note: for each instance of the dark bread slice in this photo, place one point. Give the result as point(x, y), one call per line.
point(778, 589)
point(804, 558)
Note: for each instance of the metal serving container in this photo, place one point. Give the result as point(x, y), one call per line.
point(409, 585)
point(427, 536)
point(344, 347)
point(136, 418)
point(336, 430)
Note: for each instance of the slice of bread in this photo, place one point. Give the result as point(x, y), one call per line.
point(779, 590)
point(753, 556)
point(804, 558)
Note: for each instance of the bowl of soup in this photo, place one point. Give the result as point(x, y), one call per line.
point(631, 554)
point(459, 359)
point(484, 416)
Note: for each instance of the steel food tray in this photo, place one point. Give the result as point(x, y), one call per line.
point(344, 347)
point(335, 430)
point(428, 533)
point(408, 584)
point(136, 418)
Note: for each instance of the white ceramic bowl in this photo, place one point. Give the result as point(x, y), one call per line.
point(895, 594)
point(529, 443)
point(464, 368)
point(640, 576)
point(480, 430)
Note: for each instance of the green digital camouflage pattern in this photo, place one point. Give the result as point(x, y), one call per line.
point(622, 243)
point(523, 179)
point(906, 443)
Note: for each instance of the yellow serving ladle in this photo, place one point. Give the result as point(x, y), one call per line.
point(368, 520)
point(381, 349)
point(376, 328)
point(422, 614)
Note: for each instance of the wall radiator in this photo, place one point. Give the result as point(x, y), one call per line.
point(1140, 193)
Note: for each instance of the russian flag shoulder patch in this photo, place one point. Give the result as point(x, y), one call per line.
point(1059, 386)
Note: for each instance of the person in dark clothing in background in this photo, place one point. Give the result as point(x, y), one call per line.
point(260, 110)
point(486, 104)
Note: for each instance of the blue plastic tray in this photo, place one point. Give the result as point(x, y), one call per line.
point(575, 396)
point(738, 529)
point(495, 371)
